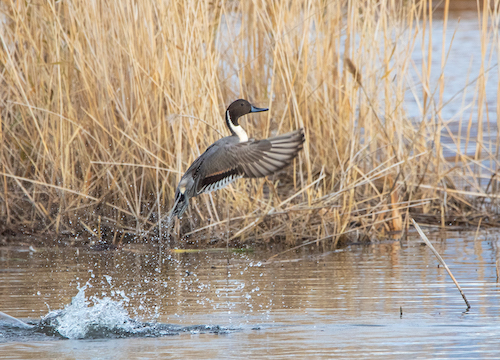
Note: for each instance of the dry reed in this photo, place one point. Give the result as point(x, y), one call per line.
point(104, 104)
point(440, 259)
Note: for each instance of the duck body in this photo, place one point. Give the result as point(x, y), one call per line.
point(234, 157)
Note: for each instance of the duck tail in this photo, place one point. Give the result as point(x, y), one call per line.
point(181, 204)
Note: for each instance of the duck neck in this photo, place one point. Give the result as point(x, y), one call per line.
point(236, 130)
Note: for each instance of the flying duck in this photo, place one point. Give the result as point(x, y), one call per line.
point(236, 156)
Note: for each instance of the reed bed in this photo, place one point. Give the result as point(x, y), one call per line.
point(104, 105)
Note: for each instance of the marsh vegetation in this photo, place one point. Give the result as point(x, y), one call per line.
point(105, 104)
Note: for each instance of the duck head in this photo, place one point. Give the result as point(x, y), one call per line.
point(236, 110)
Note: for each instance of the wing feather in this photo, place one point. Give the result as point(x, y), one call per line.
point(252, 159)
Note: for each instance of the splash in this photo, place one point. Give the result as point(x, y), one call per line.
point(15, 321)
point(92, 317)
point(101, 318)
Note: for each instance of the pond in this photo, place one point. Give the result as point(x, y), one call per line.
point(388, 300)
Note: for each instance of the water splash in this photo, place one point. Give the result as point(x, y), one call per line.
point(14, 321)
point(93, 318)
point(169, 228)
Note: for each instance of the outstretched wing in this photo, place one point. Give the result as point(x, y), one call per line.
point(251, 159)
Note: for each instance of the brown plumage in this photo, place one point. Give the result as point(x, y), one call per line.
point(236, 156)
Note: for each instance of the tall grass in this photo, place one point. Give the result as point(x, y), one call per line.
point(106, 103)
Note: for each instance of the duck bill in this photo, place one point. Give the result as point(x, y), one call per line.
point(256, 109)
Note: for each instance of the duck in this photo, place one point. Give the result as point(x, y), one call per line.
point(236, 156)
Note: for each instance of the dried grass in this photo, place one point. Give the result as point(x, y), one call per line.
point(105, 104)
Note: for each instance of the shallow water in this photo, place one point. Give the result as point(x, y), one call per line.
point(225, 305)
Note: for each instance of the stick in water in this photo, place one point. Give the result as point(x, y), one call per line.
point(428, 243)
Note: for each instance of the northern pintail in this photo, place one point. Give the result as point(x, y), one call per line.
point(236, 156)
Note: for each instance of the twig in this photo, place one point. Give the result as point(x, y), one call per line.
point(428, 243)
point(496, 268)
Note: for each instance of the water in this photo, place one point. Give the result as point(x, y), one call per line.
point(216, 304)
point(461, 72)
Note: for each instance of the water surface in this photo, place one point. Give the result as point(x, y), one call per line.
point(218, 304)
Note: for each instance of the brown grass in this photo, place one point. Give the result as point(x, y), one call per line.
point(105, 104)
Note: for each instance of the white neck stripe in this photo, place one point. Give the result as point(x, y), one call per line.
point(237, 129)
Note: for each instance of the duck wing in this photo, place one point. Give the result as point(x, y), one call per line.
point(251, 159)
